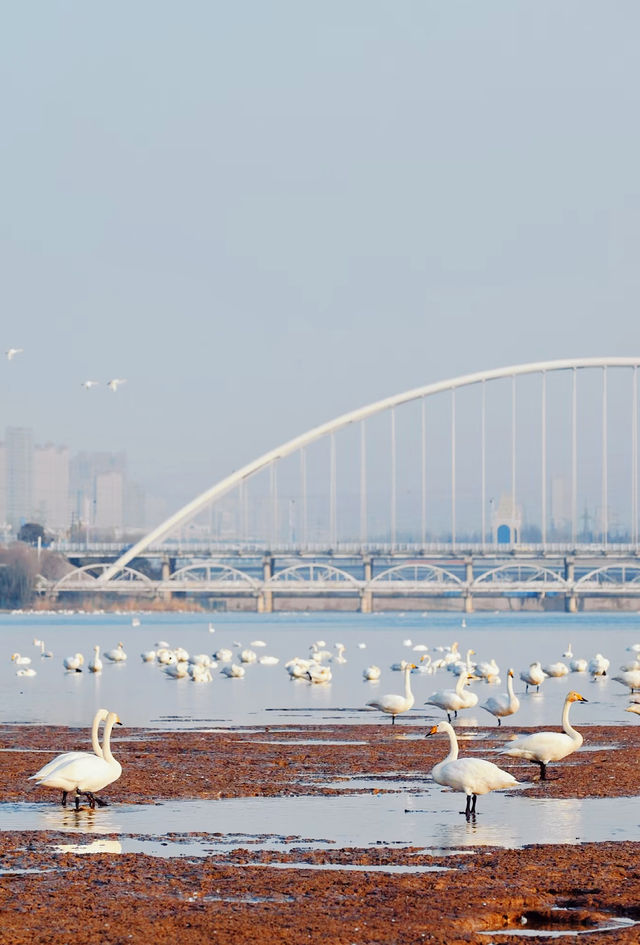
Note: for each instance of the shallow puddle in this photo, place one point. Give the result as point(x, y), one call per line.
point(560, 926)
point(426, 819)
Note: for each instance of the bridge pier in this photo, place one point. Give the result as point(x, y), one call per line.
point(570, 600)
point(366, 598)
point(166, 571)
point(468, 579)
point(265, 597)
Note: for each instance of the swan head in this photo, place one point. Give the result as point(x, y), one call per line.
point(439, 728)
point(576, 697)
point(510, 673)
point(15, 656)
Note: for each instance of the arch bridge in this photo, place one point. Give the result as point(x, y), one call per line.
point(498, 482)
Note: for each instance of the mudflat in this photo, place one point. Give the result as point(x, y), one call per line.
point(51, 895)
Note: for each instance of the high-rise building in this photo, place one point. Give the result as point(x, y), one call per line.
point(19, 476)
point(109, 501)
point(51, 504)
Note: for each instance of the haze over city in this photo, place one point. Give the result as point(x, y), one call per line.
point(264, 215)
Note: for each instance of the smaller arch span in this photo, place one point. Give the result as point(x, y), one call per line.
point(211, 573)
point(416, 574)
point(84, 578)
point(610, 574)
point(520, 574)
point(313, 574)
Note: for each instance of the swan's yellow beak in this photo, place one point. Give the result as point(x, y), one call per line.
point(412, 666)
point(432, 731)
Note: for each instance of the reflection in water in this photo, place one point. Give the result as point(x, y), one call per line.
point(430, 819)
point(96, 846)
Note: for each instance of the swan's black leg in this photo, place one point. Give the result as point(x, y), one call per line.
point(499, 721)
point(393, 720)
point(543, 771)
point(77, 800)
point(467, 810)
point(64, 798)
point(473, 804)
point(448, 718)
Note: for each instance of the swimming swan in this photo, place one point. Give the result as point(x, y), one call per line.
point(95, 664)
point(505, 704)
point(87, 774)
point(395, 704)
point(473, 776)
point(543, 747)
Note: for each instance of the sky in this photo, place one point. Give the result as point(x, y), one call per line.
point(265, 214)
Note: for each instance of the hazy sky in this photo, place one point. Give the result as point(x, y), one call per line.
point(263, 214)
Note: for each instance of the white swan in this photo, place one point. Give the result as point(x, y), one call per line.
point(463, 667)
point(452, 700)
point(556, 669)
point(543, 747)
point(472, 776)
point(44, 654)
point(534, 676)
point(177, 670)
point(200, 673)
point(634, 707)
point(117, 654)
point(629, 678)
point(74, 663)
point(599, 665)
point(568, 653)
point(578, 665)
point(248, 656)
point(340, 658)
point(223, 655)
point(319, 674)
point(267, 660)
point(505, 704)
point(149, 656)
point(88, 774)
point(95, 664)
point(395, 704)
point(66, 756)
point(20, 660)
point(372, 673)
point(233, 672)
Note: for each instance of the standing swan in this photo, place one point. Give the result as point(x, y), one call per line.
point(395, 704)
point(472, 775)
point(543, 747)
point(453, 699)
point(87, 774)
point(67, 756)
point(505, 704)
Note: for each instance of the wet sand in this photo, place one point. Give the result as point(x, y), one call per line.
point(53, 897)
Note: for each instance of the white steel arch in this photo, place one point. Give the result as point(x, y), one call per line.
point(332, 426)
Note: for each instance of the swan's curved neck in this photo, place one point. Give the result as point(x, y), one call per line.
point(95, 738)
point(453, 743)
point(407, 683)
point(462, 681)
point(566, 726)
point(106, 741)
point(510, 686)
point(469, 652)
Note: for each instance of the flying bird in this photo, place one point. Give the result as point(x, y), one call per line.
point(12, 352)
point(115, 383)
point(90, 384)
